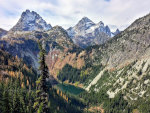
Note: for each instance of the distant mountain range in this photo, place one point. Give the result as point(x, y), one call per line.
point(86, 33)
point(21, 40)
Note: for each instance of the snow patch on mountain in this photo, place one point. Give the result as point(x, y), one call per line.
point(31, 21)
point(86, 33)
point(86, 26)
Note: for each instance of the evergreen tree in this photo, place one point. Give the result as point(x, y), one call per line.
point(30, 99)
point(16, 100)
point(1, 96)
point(6, 100)
point(42, 99)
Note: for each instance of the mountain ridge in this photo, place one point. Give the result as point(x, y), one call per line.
point(115, 73)
point(87, 33)
point(31, 21)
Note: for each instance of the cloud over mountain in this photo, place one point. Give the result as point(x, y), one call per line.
point(66, 13)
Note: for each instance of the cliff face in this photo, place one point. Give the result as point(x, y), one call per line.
point(31, 21)
point(57, 59)
point(130, 45)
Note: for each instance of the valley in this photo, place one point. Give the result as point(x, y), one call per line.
point(85, 68)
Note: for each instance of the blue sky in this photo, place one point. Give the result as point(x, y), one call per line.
point(66, 13)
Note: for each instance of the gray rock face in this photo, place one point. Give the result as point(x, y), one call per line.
point(86, 33)
point(129, 45)
point(127, 58)
point(31, 21)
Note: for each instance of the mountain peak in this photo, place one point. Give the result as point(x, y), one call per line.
point(101, 23)
point(31, 21)
point(27, 11)
point(117, 32)
point(84, 24)
point(107, 30)
point(30, 14)
point(59, 28)
point(86, 19)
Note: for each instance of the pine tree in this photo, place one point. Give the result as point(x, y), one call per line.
point(6, 100)
point(1, 96)
point(16, 98)
point(30, 99)
point(42, 99)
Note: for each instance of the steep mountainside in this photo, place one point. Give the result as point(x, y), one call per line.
point(121, 65)
point(130, 45)
point(125, 59)
point(13, 67)
point(58, 45)
point(25, 43)
point(86, 33)
point(117, 71)
point(22, 44)
point(31, 21)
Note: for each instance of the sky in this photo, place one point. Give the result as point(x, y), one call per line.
point(66, 13)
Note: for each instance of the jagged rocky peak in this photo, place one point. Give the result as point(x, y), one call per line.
point(108, 30)
point(86, 26)
point(86, 33)
point(117, 31)
point(102, 28)
point(100, 23)
point(84, 23)
point(31, 21)
point(85, 20)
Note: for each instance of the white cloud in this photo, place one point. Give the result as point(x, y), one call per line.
point(67, 12)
